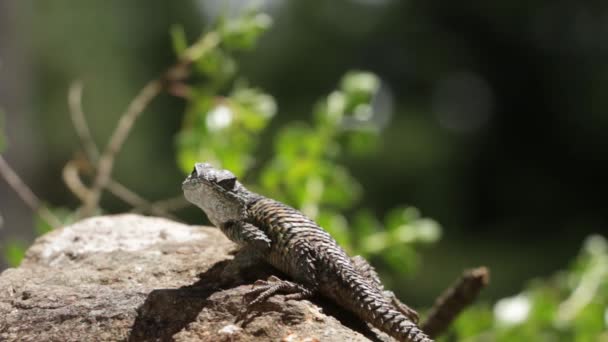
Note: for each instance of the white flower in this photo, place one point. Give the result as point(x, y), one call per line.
point(512, 310)
point(219, 118)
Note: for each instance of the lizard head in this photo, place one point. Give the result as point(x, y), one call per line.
point(221, 196)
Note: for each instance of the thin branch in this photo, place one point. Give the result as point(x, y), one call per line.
point(201, 47)
point(106, 161)
point(26, 194)
point(136, 107)
point(455, 299)
point(179, 89)
point(79, 121)
point(72, 179)
point(70, 171)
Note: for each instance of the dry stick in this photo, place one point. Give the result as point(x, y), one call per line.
point(134, 110)
point(26, 194)
point(106, 161)
point(455, 299)
point(79, 121)
point(71, 178)
point(71, 171)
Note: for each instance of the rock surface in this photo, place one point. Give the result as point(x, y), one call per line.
point(135, 278)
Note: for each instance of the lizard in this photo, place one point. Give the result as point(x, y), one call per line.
point(294, 244)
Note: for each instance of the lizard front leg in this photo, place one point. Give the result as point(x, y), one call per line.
point(246, 234)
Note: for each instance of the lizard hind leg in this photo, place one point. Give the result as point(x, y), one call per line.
point(366, 270)
point(265, 289)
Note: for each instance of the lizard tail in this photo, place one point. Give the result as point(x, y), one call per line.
point(371, 306)
point(395, 324)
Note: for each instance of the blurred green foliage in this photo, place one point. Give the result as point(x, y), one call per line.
point(64, 215)
point(571, 306)
point(224, 129)
point(14, 251)
point(226, 118)
point(224, 123)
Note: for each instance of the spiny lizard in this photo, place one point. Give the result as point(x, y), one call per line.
point(297, 246)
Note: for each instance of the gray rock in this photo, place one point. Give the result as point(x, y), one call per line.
point(129, 277)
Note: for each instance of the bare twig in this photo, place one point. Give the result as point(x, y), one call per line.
point(120, 134)
point(134, 110)
point(455, 299)
point(26, 194)
point(71, 173)
point(71, 177)
point(179, 89)
point(79, 121)
point(152, 89)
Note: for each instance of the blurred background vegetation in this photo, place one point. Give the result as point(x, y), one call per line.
point(489, 118)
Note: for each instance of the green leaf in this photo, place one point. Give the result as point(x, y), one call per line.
point(401, 216)
point(64, 215)
point(402, 259)
point(14, 252)
point(217, 65)
point(178, 39)
point(336, 225)
point(472, 322)
point(365, 223)
point(329, 113)
point(374, 243)
point(359, 83)
point(362, 142)
point(341, 189)
point(242, 33)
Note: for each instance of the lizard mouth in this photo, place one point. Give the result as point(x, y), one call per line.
point(190, 183)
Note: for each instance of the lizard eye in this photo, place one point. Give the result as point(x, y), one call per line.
point(227, 183)
point(226, 180)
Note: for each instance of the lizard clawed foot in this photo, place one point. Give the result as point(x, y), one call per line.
point(265, 289)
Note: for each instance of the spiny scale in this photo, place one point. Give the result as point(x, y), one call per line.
point(296, 245)
point(313, 258)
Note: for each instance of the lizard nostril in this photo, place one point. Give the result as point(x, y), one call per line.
point(194, 173)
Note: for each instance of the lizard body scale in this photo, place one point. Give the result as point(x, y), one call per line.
point(297, 246)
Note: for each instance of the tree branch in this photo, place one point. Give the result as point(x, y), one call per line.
point(79, 121)
point(71, 177)
point(26, 194)
point(123, 128)
point(136, 107)
point(455, 299)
